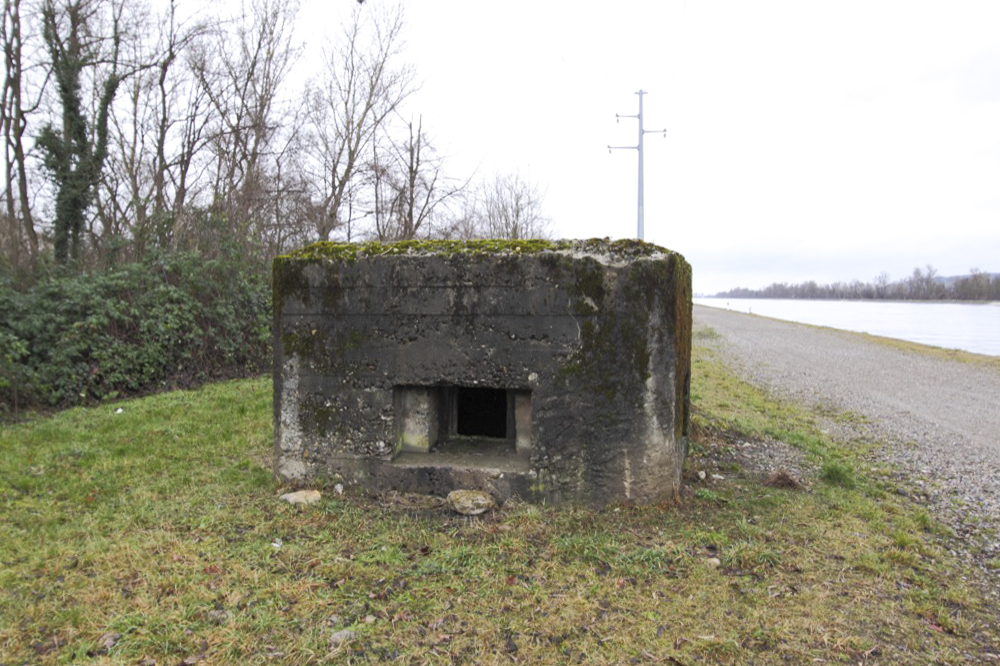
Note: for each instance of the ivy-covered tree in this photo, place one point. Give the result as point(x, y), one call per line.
point(74, 154)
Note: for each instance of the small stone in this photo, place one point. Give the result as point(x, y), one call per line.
point(714, 562)
point(470, 502)
point(304, 497)
point(338, 637)
point(339, 488)
point(717, 477)
point(219, 616)
point(701, 475)
point(109, 640)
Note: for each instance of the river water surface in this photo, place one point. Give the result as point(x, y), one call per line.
point(971, 327)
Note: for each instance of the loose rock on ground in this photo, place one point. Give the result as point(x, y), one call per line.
point(470, 502)
point(302, 497)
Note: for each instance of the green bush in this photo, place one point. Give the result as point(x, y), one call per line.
point(169, 321)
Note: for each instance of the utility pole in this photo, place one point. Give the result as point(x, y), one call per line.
point(642, 132)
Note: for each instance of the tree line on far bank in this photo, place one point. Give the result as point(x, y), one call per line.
point(921, 285)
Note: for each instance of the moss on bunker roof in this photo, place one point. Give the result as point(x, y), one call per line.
point(618, 249)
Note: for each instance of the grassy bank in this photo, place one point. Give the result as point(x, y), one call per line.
point(153, 534)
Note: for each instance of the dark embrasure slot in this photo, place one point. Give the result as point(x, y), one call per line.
point(481, 412)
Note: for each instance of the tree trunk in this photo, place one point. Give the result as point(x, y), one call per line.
point(15, 123)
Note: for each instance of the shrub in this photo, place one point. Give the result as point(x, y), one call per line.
point(13, 352)
point(168, 321)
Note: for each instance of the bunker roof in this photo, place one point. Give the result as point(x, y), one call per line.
point(617, 250)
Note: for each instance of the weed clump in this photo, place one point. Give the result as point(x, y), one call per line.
point(782, 479)
point(838, 474)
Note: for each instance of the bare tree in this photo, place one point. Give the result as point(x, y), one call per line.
point(923, 285)
point(974, 287)
point(412, 188)
point(241, 77)
point(510, 207)
point(360, 87)
point(15, 108)
point(290, 206)
point(161, 132)
point(158, 131)
point(881, 286)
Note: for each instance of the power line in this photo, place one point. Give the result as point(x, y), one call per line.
point(642, 132)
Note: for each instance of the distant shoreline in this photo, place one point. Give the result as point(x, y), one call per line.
point(968, 326)
point(952, 301)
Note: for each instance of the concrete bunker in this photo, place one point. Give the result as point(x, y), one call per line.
point(551, 371)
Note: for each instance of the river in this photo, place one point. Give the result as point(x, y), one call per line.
point(973, 327)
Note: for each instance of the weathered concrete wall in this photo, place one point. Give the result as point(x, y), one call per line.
point(585, 345)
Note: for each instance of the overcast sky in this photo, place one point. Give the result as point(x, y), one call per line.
point(826, 140)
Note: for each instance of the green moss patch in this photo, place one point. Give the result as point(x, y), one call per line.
point(329, 250)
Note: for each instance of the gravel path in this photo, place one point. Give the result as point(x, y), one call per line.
point(939, 418)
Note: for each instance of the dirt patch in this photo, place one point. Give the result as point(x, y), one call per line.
point(768, 461)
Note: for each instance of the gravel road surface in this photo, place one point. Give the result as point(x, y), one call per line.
point(938, 417)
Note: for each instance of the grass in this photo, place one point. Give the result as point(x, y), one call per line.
point(154, 535)
point(936, 352)
point(838, 473)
